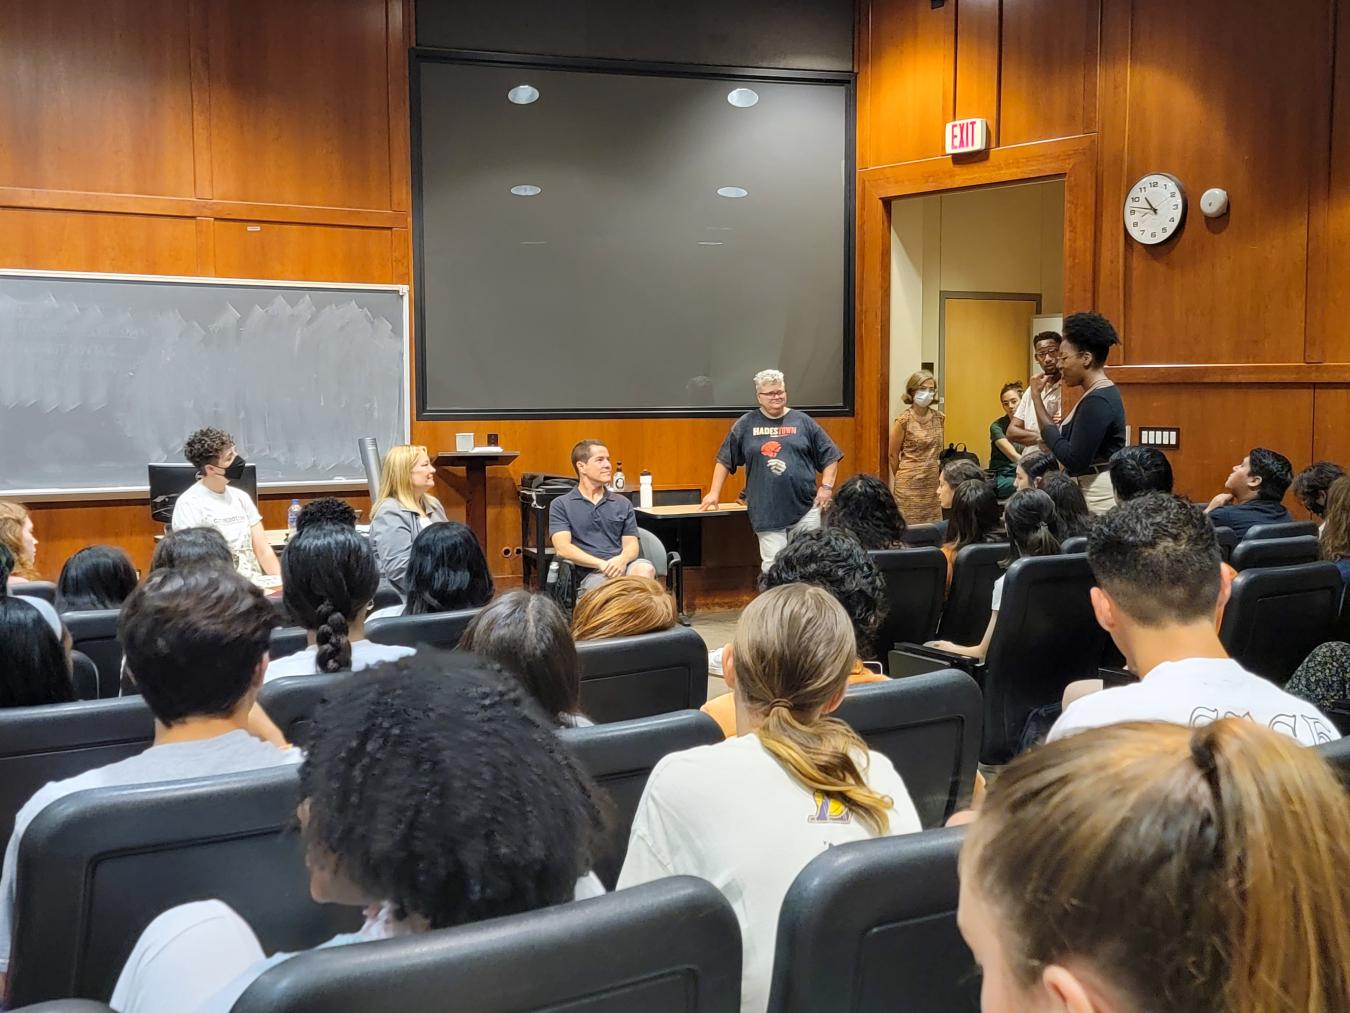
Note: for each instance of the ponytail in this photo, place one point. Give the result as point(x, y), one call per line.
point(335, 646)
point(1031, 519)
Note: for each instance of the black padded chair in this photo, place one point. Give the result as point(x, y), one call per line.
point(928, 726)
point(916, 583)
point(1276, 616)
point(1047, 637)
point(1338, 755)
point(672, 946)
point(386, 596)
point(94, 634)
point(1265, 552)
point(51, 743)
point(436, 629)
point(43, 589)
point(974, 572)
point(1284, 529)
point(95, 868)
point(620, 757)
point(919, 535)
point(634, 677)
point(1227, 539)
point(84, 675)
point(1078, 543)
point(68, 1006)
point(291, 701)
point(870, 927)
point(287, 640)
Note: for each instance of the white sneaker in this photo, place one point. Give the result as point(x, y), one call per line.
point(715, 662)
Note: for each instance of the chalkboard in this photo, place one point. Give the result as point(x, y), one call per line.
point(102, 374)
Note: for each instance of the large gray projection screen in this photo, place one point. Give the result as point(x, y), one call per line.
point(626, 285)
point(104, 374)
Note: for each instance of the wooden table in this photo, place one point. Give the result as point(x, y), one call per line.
point(475, 465)
point(681, 526)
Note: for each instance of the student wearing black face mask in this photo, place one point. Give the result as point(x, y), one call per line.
point(214, 503)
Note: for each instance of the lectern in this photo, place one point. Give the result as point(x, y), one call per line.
point(475, 465)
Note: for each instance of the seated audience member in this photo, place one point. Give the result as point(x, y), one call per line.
point(34, 666)
point(527, 635)
point(1162, 869)
point(1031, 469)
point(189, 547)
point(866, 509)
point(447, 571)
point(16, 535)
point(1334, 543)
point(1137, 470)
point(1311, 485)
point(594, 528)
point(328, 578)
point(1323, 679)
point(212, 502)
point(326, 510)
point(403, 508)
point(44, 608)
point(1003, 453)
point(1071, 510)
point(835, 562)
point(1255, 493)
point(623, 607)
point(974, 519)
point(749, 813)
point(1032, 524)
point(1159, 586)
point(433, 795)
point(97, 577)
point(196, 642)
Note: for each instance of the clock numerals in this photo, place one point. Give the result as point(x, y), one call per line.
point(1154, 208)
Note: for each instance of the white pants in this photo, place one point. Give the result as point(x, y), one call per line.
point(1098, 491)
point(773, 542)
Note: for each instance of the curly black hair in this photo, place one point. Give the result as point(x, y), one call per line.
point(437, 784)
point(866, 509)
point(326, 510)
point(1312, 483)
point(1091, 333)
point(835, 561)
point(206, 445)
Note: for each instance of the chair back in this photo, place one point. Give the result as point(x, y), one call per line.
point(1078, 543)
point(369, 449)
point(1282, 529)
point(672, 946)
point(1047, 637)
point(386, 596)
point(287, 640)
point(84, 674)
point(291, 702)
point(1227, 539)
point(916, 582)
point(870, 927)
point(653, 550)
point(974, 572)
point(1264, 552)
point(1276, 616)
point(620, 756)
point(436, 629)
point(919, 535)
point(94, 634)
point(57, 741)
point(634, 677)
point(96, 867)
point(928, 726)
point(43, 589)
point(1338, 755)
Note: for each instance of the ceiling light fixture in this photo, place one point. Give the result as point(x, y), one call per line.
point(732, 191)
point(523, 94)
point(742, 98)
point(526, 190)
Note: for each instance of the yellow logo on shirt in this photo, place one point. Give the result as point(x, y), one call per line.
point(829, 810)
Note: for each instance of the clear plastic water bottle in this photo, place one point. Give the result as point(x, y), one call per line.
point(552, 574)
point(293, 514)
point(618, 477)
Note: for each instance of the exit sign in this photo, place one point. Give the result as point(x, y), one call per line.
point(964, 136)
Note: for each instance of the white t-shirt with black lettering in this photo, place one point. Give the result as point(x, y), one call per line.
point(231, 512)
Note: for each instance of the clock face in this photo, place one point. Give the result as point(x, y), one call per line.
point(1155, 208)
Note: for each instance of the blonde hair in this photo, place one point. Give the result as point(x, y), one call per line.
point(793, 652)
point(916, 379)
point(396, 479)
point(1198, 870)
point(12, 517)
point(1335, 540)
point(623, 607)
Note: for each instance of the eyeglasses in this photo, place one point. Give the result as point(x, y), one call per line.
point(772, 394)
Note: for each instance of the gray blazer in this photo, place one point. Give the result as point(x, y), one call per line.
point(392, 530)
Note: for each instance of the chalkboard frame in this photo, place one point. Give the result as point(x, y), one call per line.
point(844, 408)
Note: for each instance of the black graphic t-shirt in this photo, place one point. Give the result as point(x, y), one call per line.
point(783, 457)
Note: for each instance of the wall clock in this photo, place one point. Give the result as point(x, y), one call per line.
point(1155, 208)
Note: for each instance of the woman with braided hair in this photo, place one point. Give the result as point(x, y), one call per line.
point(749, 813)
point(329, 577)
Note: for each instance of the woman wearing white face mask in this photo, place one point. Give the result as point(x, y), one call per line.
point(916, 439)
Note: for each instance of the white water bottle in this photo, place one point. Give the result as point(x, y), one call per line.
point(293, 514)
point(618, 478)
point(552, 574)
point(645, 489)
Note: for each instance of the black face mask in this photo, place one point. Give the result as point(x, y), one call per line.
point(236, 469)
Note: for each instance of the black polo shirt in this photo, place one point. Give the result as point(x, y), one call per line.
point(597, 528)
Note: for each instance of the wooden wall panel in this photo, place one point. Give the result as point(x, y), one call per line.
point(97, 96)
point(89, 241)
point(302, 252)
point(1048, 81)
point(977, 61)
point(1329, 251)
point(906, 81)
point(1331, 434)
point(300, 101)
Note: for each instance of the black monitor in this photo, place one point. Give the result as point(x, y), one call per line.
point(169, 481)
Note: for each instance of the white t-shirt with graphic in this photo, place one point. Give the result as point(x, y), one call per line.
point(364, 654)
point(731, 814)
point(1194, 692)
point(231, 512)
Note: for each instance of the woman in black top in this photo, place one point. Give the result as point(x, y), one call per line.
point(1084, 442)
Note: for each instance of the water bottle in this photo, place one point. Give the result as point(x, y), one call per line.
point(645, 489)
point(618, 477)
point(552, 574)
point(293, 514)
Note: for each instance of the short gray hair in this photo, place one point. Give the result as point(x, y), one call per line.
point(767, 376)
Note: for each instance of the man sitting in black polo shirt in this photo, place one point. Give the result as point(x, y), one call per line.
point(1255, 493)
point(592, 528)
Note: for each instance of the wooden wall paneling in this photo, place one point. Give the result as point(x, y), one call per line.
point(910, 77)
point(303, 252)
point(978, 30)
point(1113, 122)
point(1331, 436)
point(1328, 331)
point(1048, 79)
point(1230, 291)
point(401, 16)
point(200, 59)
point(96, 96)
point(300, 101)
point(76, 241)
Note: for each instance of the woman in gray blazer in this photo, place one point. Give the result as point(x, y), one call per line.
point(405, 506)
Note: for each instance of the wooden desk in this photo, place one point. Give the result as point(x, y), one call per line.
point(680, 526)
point(691, 510)
point(475, 467)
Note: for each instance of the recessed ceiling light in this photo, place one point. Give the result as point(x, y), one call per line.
point(534, 242)
point(732, 191)
point(524, 94)
point(742, 98)
point(525, 190)
point(707, 243)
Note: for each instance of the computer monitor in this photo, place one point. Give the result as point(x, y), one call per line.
point(169, 481)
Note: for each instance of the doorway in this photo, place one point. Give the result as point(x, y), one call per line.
point(982, 342)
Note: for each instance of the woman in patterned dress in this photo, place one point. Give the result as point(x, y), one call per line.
point(916, 440)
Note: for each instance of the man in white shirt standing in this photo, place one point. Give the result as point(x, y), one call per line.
point(1159, 587)
point(214, 503)
point(1024, 429)
point(196, 645)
